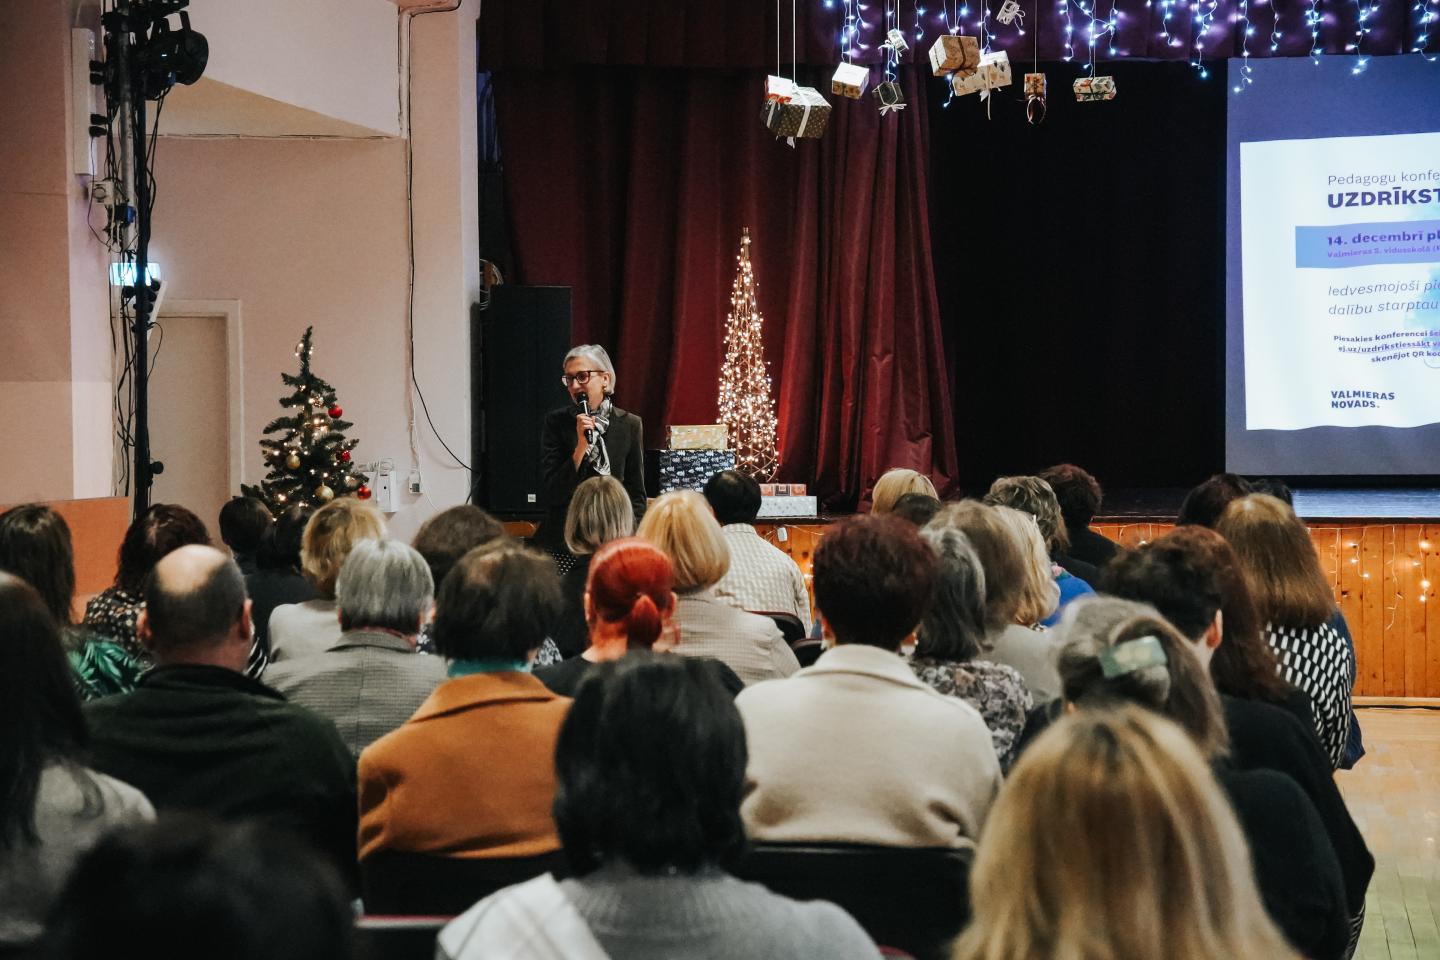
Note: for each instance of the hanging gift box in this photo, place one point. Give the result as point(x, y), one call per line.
point(895, 40)
point(700, 436)
point(1035, 85)
point(954, 53)
point(1095, 88)
point(889, 97)
point(1009, 11)
point(804, 116)
point(992, 74)
point(850, 80)
point(779, 89)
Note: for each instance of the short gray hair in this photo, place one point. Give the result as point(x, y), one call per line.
point(385, 584)
point(954, 628)
point(596, 354)
point(600, 511)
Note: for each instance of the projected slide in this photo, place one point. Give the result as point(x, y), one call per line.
point(1333, 334)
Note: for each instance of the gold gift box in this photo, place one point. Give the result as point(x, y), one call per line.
point(950, 52)
point(704, 436)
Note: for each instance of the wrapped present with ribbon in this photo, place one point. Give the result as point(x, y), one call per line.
point(699, 436)
point(957, 53)
point(804, 116)
point(992, 74)
point(889, 97)
point(895, 40)
point(1009, 12)
point(850, 80)
point(779, 89)
point(690, 469)
point(1035, 87)
point(1095, 88)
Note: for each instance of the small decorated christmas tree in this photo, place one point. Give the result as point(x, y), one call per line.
point(310, 461)
point(746, 406)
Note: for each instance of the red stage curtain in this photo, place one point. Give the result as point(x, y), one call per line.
point(631, 185)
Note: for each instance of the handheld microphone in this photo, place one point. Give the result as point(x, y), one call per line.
point(585, 409)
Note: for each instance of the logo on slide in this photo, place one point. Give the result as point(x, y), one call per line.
point(1344, 399)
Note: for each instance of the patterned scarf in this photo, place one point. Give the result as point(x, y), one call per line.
point(598, 456)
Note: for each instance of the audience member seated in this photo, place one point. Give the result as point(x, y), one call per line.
point(651, 768)
point(948, 644)
point(1011, 613)
point(277, 579)
point(197, 734)
point(629, 606)
point(894, 484)
point(472, 773)
point(762, 578)
point(446, 537)
point(1033, 496)
point(1119, 651)
point(855, 748)
point(194, 887)
point(682, 525)
point(1047, 587)
point(243, 524)
point(1203, 505)
point(599, 512)
point(53, 808)
point(1079, 496)
point(1111, 840)
point(1191, 577)
point(371, 680)
point(1303, 625)
point(918, 508)
point(303, 629)
point(1278, 489)
point(35, 546)
point(112, 612)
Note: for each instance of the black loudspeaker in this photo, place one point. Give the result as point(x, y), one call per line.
point(519, 343)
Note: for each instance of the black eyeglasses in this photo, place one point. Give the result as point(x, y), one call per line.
point(581, 377)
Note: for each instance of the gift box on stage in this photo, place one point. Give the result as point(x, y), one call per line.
point(776, 508)
point(779, 89)
point(992, 73)
point(1095, 88)
point(703, 436)
point(850, 80)
point(804, 115)
point(951, 52)
point(686, 469)
point(782, 489)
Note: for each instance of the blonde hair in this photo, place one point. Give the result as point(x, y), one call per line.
point(331, 533)
point(600, 511)
point(1039, 594)
point(681, 524)
point(1111, 839)
point(1279, 560)
point(894, 484)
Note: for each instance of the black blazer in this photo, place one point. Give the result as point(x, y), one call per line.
point(624, 440)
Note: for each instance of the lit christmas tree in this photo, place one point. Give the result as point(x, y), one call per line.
point(746, 406)
point(311, 465)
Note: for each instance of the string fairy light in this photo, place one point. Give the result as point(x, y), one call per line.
point(1246, 30)
point(1069, 31)
point(1200, 20)
point(1428, 16)
point(747, 407)
point(1313, 18)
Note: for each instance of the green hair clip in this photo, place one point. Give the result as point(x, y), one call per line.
point(1132, 655)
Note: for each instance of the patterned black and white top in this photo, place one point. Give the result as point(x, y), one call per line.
point(1320, 661)
point(997, 691)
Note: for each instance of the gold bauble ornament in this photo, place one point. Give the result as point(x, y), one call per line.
point(293, 461)
point(324, 494)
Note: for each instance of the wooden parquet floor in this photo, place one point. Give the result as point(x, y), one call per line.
point(1394, 795)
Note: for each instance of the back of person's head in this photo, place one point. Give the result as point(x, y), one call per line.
point(1279, 561)
point(1001, 557)
point(1033, 496)
point(383, 584)
point(1077, 492)
point(1111, 838)
point(35, 546)
point(1243, 665)
point(329, 536)
point(1172, 578)
point(874, 580)
point(894, 484)
point(1118, 651)
point(650, 768)
point(39, 711)
point(500, 602)
point(1274, 487)
point(243, 522)
point(917, 508)
point(1038, 591)
point(162, 528)
point(631, 583)
point(450, 534)
point(194, 599)
point(280, 546)
point(954, 627)
point(1203, 505)
point(600, 511)
point(192, 887)
point(733, 496)
point(681, 524)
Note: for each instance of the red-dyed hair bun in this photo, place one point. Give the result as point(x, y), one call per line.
point(631, 582)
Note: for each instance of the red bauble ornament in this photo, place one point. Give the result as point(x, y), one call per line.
point(363, 493)
point(336, 411)
point(344, 456)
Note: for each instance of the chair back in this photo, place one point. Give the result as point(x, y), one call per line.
point(913, 899)
point(791, 627)
point(423, 884)
point(397, 938)
point(808, 651)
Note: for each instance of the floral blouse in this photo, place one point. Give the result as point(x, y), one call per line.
point(997, 691)
point(112, 614)
point(100, 667)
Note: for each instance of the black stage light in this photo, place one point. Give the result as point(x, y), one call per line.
point(171, 56)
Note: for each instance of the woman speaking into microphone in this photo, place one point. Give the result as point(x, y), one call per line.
point(591, 437)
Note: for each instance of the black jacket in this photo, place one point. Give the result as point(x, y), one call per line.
point(624, 440)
